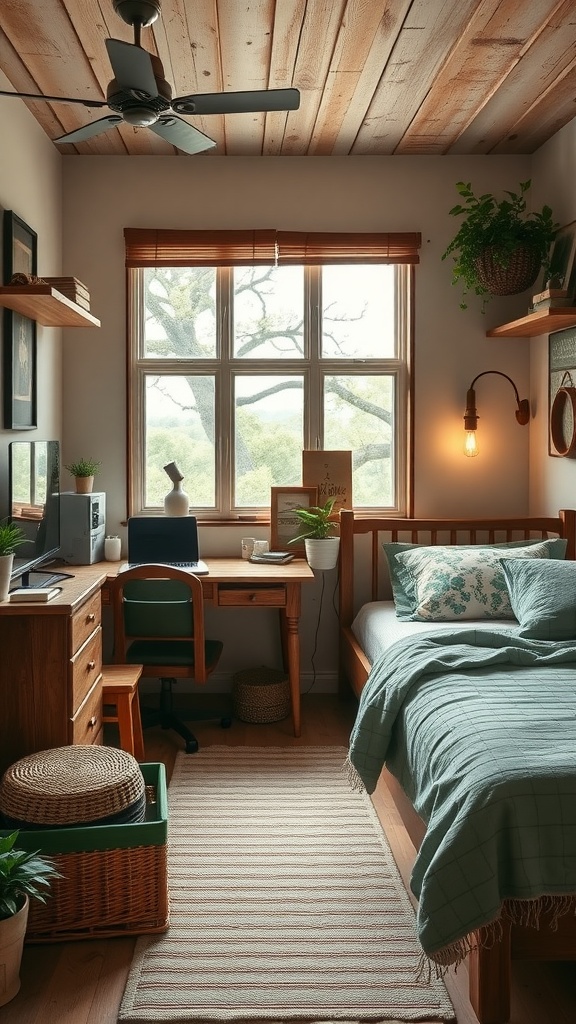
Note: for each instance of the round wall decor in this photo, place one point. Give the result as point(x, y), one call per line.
point(563, 422)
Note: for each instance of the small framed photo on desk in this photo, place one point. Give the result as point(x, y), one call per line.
point(284, 525)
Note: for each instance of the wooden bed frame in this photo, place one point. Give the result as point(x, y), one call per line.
point(489, 967)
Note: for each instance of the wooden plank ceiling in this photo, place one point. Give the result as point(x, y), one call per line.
point(377, 77)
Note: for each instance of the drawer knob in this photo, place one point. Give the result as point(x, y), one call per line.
point(91, 665)
point(92, 722)
point(91, 617)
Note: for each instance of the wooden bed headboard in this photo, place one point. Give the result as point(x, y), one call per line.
point(434, 531)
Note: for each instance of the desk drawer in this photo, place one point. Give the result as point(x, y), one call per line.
point(248, 597)
point(84, 622)
point(87, 722)
point(86, 667)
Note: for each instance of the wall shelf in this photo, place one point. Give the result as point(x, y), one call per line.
point(46, 305)
point(545, 321)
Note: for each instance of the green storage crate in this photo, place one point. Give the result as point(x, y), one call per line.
point(115, 879)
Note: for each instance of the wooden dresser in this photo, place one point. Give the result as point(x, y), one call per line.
point(51, 669)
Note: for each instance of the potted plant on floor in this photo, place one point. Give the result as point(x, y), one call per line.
point(84, 471)
point(319, 525)
point(11, 537)
point(499, 249)
point(23, 876)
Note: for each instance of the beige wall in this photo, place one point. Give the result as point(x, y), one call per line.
point(82, 371)
point(31, 186)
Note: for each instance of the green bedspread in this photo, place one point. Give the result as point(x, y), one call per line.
point(479, 727)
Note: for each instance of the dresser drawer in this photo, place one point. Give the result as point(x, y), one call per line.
point(86, 667)
point(85, 621)
point(87, 722)
point(250, 597)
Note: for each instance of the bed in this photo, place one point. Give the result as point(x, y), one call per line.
point(484, 663)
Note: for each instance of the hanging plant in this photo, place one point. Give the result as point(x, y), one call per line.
point(499, 249)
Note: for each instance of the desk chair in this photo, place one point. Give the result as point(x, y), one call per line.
point(159, 624)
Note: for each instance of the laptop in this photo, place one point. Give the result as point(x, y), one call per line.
point(171, 540)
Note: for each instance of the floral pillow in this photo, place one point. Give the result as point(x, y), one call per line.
point(461, 583)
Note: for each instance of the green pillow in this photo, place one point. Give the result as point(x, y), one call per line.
point(403, 589)
point(543, 597)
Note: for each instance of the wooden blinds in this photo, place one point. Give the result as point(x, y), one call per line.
point(147, 247)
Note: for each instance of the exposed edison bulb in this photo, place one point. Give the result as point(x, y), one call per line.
point(471, 444)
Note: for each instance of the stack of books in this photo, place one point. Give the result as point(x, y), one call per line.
point(272, 557)
point(551, 298)
point(72, 288)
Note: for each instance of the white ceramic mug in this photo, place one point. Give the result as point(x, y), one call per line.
point(112, 549)
point(247, 546)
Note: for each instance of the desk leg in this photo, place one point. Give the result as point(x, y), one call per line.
point(290, 639)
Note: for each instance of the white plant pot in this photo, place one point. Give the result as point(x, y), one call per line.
point(177, 502)
point(6, 563)
point(322, 553)
point(12, 932)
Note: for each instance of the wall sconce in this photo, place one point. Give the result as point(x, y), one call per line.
point(471, 416)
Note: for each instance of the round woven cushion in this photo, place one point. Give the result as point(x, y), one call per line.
point(261, 695)
point(71, 785)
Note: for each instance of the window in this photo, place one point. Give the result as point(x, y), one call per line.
point(246, 347)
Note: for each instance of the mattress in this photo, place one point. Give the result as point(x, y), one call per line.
point(376, 627)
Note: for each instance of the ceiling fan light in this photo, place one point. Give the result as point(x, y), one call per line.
point(140, 117)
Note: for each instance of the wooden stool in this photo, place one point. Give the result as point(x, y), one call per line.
point(120, 691)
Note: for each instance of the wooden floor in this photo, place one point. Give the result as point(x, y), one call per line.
point(83, 982)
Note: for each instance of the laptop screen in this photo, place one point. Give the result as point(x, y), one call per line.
point(162, 539)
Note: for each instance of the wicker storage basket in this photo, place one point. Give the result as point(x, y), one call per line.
point(74, 785)
point(115, 879)
point(261, 695)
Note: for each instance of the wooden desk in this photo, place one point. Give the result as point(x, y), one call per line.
point(236, 583)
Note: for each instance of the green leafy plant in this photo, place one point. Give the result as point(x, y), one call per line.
point(316, 521)
point(84, 467)
point(500, 226)
point(22, 874)
point(11, 537)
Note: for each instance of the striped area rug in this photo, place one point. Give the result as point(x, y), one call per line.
point(286, 903)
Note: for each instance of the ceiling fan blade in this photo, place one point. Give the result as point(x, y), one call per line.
point(89, 130)
point(181, 134)
point(132, 67)
point(258, 101)
point(55, 99)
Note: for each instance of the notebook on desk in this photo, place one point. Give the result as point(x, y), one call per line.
point(171, 540)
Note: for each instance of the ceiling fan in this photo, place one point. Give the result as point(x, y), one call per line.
point(139, 95)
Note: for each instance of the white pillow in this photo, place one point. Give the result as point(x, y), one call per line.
point(462, 583)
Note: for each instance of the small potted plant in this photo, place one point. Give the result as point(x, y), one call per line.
point(319, 526)
point(84, 471)
point(23, 876)
point(499, 249)
point(11, 537)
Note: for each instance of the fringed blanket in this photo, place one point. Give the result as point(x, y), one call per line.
point(479, 728)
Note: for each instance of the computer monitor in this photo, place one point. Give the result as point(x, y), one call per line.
point(34, 504)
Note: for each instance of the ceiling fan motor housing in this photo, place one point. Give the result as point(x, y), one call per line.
point(138, 12)
point(135, 108)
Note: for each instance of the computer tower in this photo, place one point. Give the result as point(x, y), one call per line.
point(82, 527)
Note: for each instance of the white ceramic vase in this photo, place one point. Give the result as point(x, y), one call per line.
point(322, 553)
point(177, 502)
point(12, 932)
point(6, 563)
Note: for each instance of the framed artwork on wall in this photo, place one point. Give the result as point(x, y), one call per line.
point(284, 525)
point(20, 256)
point(562, 394)
point(331, 473)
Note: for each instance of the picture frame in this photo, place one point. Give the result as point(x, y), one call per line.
point(562, 273)
point(284, 525)
point(20, 256)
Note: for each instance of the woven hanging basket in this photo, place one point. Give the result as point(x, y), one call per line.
point(520, 271)
point(261, 695)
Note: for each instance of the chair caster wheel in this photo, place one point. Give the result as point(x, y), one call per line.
point(225, 723)
point(191, 746)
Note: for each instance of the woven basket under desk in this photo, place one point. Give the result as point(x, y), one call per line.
point(115, 877)
point(261, 695)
